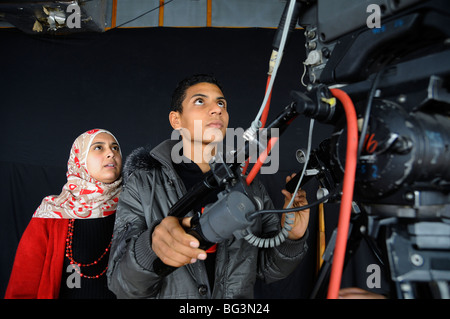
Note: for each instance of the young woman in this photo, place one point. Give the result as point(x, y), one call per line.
point(64, 250)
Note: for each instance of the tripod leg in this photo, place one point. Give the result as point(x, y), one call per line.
point(321, 244)
point(444, 291)
point(354, 240)
point(324, 271)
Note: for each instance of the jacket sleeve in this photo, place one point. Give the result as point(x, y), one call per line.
point(28, 263)
point(278, 262)
point(130, 272)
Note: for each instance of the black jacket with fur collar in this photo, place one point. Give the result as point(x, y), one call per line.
point(151, 188)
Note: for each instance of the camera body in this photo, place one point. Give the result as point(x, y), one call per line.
point(398, 76)
point(403, 161)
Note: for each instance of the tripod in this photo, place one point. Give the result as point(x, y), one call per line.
point(416, 253)
point(419, 259)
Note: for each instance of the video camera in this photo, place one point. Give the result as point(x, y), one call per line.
point(392, 57)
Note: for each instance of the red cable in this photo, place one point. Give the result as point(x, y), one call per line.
point(260, 161)
point(266, 108)
point(263, 122)
point(347, 194)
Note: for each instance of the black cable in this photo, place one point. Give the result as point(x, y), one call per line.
point(147, 12)
point(373, 89)
point(289, 210)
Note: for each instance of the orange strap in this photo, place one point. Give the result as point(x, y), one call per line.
point(211, 249)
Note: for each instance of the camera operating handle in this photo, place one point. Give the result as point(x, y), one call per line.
point(227, 217)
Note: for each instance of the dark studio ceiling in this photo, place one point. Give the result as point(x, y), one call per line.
point(62, 17)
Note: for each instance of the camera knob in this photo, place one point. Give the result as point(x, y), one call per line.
point(402, 145)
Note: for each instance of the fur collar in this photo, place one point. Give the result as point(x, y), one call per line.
point(146, 158)
point(139, 159)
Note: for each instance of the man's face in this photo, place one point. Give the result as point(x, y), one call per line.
point(204, 118)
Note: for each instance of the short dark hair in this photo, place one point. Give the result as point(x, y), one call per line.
point(179, 94)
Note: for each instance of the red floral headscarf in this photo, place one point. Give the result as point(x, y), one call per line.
point(82, 196)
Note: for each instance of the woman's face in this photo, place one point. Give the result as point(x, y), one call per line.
point(104, 160)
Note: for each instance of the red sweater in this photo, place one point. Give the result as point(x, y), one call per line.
point(38, 264)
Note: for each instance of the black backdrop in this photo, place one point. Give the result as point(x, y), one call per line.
point(52, 88)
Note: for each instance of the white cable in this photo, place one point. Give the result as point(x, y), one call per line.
point(256, 122)
point(288, 217)
point(308, 151)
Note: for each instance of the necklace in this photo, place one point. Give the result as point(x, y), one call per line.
point(77, 265)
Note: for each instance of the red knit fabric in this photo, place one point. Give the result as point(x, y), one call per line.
point(38, 264)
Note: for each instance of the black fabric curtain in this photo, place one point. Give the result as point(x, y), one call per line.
point(53, 88)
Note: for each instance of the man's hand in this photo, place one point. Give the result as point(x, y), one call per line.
point(358, 293)
point(173, 245)
point(301, 217)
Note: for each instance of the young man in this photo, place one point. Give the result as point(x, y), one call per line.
point(155, 181)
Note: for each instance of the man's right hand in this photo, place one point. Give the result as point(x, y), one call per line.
point(173, 245)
